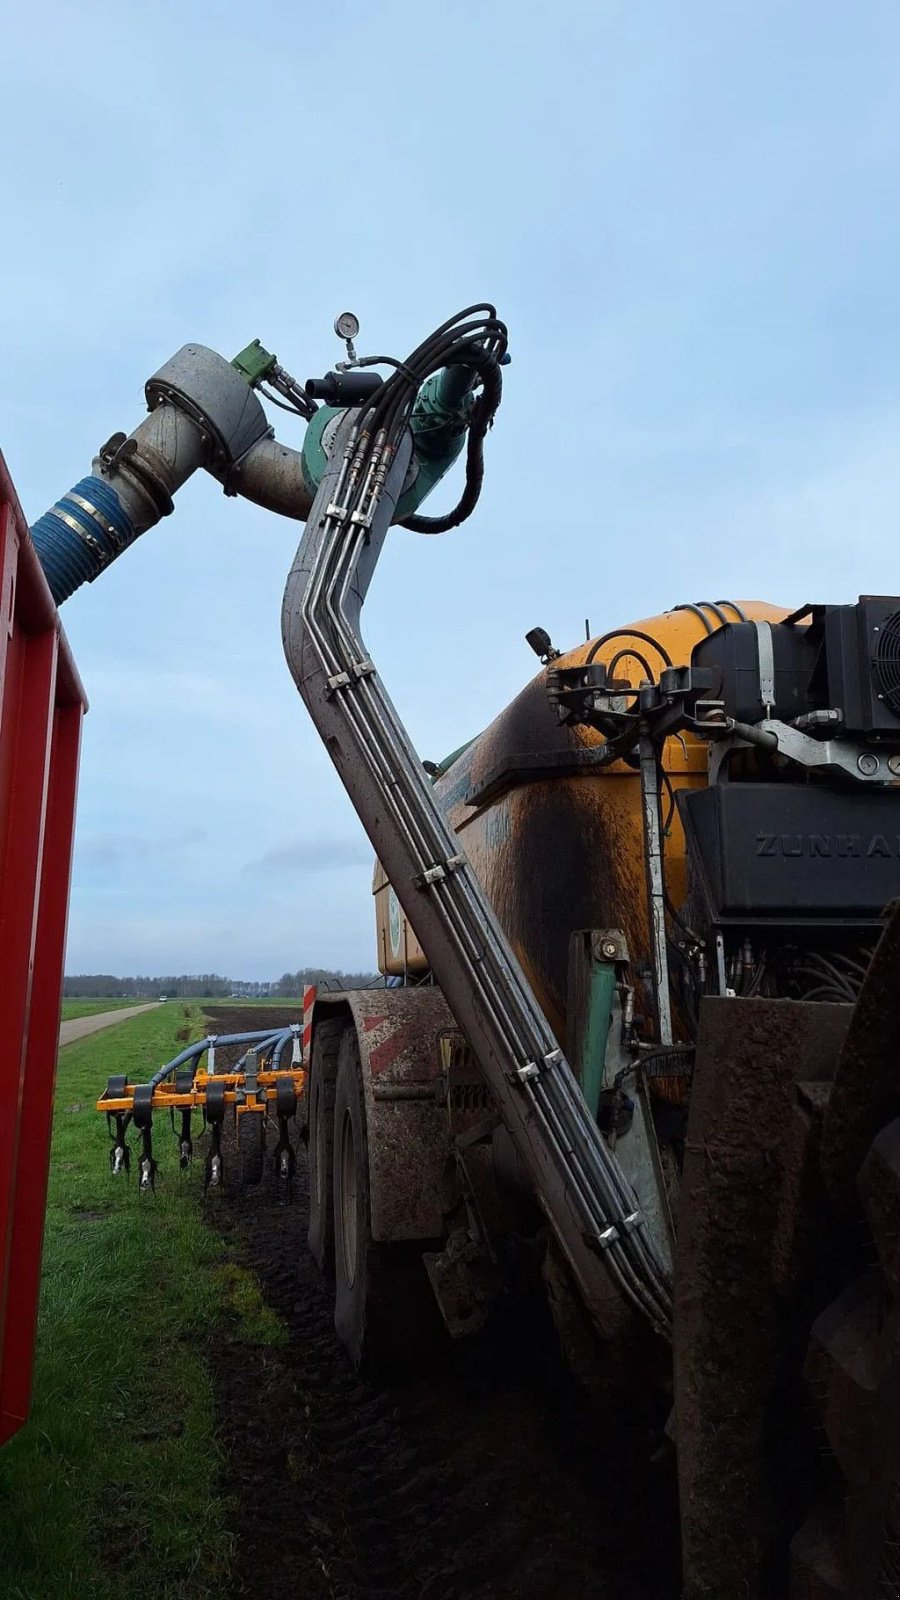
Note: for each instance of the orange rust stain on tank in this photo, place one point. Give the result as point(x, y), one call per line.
point(556, 854)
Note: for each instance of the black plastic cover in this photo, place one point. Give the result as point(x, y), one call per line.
point(732, 653)
point(845, 658)
point(795, 854)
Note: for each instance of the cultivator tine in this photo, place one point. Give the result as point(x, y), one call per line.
point(185, 1143)
point(120, 1154)
point(117, 1126)
point(215, 1116)
point(184, 1083)
point(214, 1171)
point(143, 1121)
point(283, 1158)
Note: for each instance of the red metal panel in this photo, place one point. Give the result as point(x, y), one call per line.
point(41, 705)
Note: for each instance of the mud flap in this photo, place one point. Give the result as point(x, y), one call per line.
point(413, 1108)
point(748, 1202)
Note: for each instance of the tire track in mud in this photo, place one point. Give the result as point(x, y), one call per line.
point(480, 1478)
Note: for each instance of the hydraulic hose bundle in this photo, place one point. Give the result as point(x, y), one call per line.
point(590, 1204)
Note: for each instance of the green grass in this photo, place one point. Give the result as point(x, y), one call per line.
point(92, 1008)
point(110, 1491)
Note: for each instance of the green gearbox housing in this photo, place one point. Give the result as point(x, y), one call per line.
point(438, 425)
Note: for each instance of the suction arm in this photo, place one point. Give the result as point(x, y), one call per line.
point(203, 413)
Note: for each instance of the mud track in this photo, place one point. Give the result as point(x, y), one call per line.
point(480, 1477)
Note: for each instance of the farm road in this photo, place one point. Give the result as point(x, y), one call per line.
point(80, 1027)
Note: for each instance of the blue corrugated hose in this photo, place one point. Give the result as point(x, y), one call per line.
point(73, 555)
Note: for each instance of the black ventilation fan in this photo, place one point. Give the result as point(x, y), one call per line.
point(886, 662)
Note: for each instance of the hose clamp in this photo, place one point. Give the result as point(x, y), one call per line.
point(113, 535)
point(102, 552)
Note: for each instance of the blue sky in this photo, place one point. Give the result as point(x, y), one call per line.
point(688, 215)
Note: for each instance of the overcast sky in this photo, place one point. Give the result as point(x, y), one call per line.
point(688, 215)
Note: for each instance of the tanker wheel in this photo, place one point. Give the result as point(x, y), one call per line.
point(384, 1311)
point(849, 1549)
point(251, 1146)
point(326, 1045)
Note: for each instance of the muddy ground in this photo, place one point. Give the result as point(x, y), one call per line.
point(480, 1476)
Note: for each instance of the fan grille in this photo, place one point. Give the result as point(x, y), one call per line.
point(886, 663)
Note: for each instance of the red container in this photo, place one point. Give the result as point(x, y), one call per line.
point(41, 706)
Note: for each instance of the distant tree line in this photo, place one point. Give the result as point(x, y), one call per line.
point(210, 986)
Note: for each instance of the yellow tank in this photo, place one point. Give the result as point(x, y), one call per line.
point(559, 846)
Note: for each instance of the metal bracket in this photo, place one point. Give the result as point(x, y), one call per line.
point(344, 680)
point(613, 1233)
point(846, 756)
point(438, 872)
point(765, 651)
point(610, 944)
point(533, 1069)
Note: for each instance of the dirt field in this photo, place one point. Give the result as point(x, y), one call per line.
point(480, 1479)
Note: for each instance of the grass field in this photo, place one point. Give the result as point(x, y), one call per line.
point(92, 1008)
point(111, 1490)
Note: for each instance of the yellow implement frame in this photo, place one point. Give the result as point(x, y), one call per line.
point(195, 1099)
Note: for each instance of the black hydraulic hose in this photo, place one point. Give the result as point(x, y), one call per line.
point(716, 608)
point(479, 422)
point(689, 605)
point(627, 633)
point(635, 655)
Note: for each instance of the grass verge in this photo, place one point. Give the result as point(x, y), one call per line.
point(111, 1489)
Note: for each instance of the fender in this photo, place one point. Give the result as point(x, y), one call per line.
point(413, 1102)
point(420, 1087)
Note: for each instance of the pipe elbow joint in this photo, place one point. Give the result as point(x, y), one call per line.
point(202, 414)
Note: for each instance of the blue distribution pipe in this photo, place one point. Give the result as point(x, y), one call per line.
point(81, 535)
point(269, 1040)
point(201, 1045)
point(276, 1053)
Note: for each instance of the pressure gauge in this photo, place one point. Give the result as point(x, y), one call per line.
point(346, 326)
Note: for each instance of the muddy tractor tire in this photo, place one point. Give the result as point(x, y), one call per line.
point(849, 1548)
point(384, 1312)
point(326, 1046)
point(251, 1147)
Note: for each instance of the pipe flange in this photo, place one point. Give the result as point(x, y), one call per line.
point(215, 396)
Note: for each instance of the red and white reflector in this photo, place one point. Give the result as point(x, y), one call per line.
point(309, 999)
